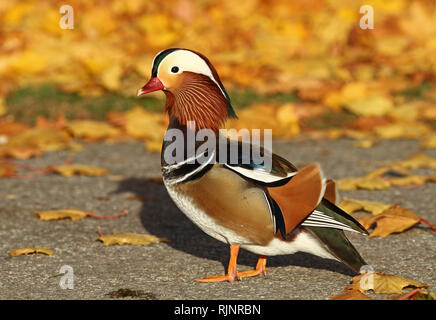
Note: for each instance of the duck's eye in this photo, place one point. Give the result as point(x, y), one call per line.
point(175, 69)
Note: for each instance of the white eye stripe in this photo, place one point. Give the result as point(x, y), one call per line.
point(187, 60)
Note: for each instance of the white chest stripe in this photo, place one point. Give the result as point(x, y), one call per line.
point(190, 174)
point(177, 165)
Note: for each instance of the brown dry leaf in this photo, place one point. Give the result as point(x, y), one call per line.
point(379, 283)
point(352, 205)
point(92, 130)
point(382, 283)
point(6, 169)
point(368, 123)
point(68, 170)
point(428, 112)
point(351, 294)
point(26, 251)
point(73, 214)
point(393, 220)
point(129, 238)
point(11, 128)
point(369, 183)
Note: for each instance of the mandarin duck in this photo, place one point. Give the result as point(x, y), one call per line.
point(278, 211)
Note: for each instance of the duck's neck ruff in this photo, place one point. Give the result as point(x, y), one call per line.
point(197, 99)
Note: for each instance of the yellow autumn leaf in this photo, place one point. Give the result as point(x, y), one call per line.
point(110, 77)
point(350, 92)
point(92, 130)
point(3, 109)
point(69, 170)
point(419, 160)
point(368, 183)
point(370, 106)
point(352, 205)
point(407, 130)
point(288, 121)
point(144, 124)
point(153, 145)
point(33, 142)
point(27, 251)
point(395, 219)
point(72, 214)
point(411, 180)
point(129, 238)
point(392, 169)
point(429, 142)
point(364, 143)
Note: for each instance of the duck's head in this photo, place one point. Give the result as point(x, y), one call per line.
point(192, 87)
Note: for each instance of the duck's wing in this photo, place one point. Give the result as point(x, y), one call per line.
point(297, 197)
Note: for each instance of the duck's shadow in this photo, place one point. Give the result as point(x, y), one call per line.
point(162, 218)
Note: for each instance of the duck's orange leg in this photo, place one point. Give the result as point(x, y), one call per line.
point(232, 273)
point(260, 269)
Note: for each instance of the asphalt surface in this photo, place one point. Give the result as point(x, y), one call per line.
point(168, 270)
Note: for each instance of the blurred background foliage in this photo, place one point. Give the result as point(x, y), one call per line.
point(307, 63)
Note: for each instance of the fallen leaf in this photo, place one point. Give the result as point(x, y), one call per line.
point(72, 214)
point(352, 205)
point(351, 294)
point(392, 170)
point(419, 160)
point(92, 130)
point(367, 143)
point(369, 183)
point(69, 170)
point(411, 180)
point(141, 198)
point(392, 220)
point(26, 251)
point(9, 128)
point(129, 238)
point(406, 130)
point(144, 124)
point(3, 109)
point(34, 141)
point(370, 106)
point(429, 141)
point(379, 283)
point(382, 283)
point(6, 169)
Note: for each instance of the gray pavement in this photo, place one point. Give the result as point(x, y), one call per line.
point(167, 270)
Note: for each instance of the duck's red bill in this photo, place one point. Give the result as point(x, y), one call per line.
point(153, 85)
